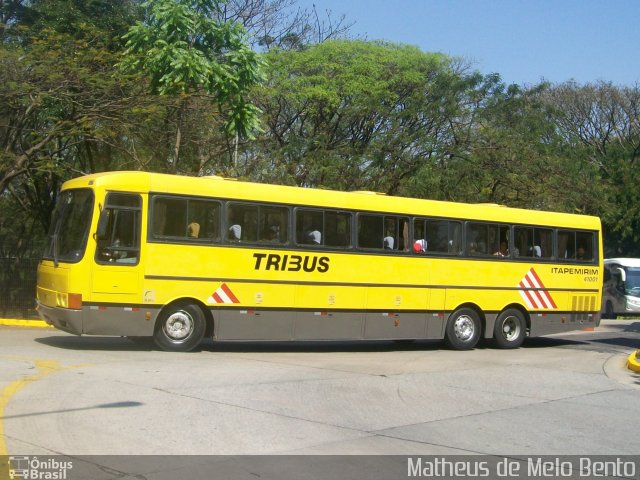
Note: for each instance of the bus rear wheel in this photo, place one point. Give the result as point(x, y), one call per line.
point(180, 328)
point(510, 329)
point(463, 329)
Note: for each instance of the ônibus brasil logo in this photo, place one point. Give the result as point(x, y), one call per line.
point(34, 468)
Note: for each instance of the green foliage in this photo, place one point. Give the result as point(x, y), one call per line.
point(353, 114)
point(61, 109)
point(92, 85)
point(182, 49)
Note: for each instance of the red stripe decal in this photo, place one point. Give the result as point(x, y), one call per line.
point(229, 293)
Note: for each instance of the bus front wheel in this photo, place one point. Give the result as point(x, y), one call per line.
point(180, 328)
point(463, 329)
point(510, 329)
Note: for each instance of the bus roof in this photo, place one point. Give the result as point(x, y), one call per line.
point(624, 262)
point(214, 186)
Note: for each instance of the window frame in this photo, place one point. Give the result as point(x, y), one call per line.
point(535, 228)
point(350, 215)
point(595, 246)
point(260, 207)
point(384, 217)
point(137, 231)
point(491, 253)
point(415, 237)
point(182, 240)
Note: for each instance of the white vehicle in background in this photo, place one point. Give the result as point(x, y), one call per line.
point(621, 292)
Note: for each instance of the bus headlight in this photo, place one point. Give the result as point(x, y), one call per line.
point(633, 302)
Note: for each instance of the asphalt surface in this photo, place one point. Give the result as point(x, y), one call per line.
point(568, 394)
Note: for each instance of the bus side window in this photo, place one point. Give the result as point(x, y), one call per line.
point(420, 242)
point(442, 236)
point(309, 227)
point(585, 242)
point(274, 222)
point(179, 219)
point(477, 239)
point(370, 231)
point(169, 217)
point(533, 242)
point(242, 221)
point(337, 229)
point(204, 220)
point(566, 245)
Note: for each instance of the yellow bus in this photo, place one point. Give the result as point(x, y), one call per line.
point(180, 258)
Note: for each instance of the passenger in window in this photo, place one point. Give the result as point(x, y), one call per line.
point(581, 253)
point(314, 237)
point(273, 234)
point(193, 230)
point(388, 242)
point(235, 232)
point(503, 251)
point(420, 246)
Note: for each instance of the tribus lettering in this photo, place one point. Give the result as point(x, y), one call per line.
point(291, 263)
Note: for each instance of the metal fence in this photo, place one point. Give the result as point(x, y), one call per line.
point(18, 287)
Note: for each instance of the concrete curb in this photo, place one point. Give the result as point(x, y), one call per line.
point(12, 322)
point(633, 362)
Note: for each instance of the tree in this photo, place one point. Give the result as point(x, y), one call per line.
point(185, 52)
point(57, 94)
point(354, 114)
point(512, 153)
point(282, 24)
point(600, 124)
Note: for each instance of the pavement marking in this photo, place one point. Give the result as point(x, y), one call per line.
point(14, 322)
point(44, 367)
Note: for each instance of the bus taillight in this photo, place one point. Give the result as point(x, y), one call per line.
point(70, 300)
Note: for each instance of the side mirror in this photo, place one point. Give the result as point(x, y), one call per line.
point(622, 273)
point(103, 225)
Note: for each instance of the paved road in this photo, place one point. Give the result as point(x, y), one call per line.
point(561, 395)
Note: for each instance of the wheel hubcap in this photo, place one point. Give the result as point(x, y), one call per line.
point(464, 328)
point(178, 326)
point(511, 328)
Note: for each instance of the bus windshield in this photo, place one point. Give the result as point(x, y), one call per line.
point(632, 284)
point(69, 228)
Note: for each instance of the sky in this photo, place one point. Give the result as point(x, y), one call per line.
point(525, 41)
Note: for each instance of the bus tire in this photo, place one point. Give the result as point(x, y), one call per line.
point(180, 327)
point(463, 329)
point(510, 329)
point(608, 311)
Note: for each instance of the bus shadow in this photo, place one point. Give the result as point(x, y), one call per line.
point(625, 342)
point(328, 346)
point(124, 344)
point(547, 342)
point(116, 344)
